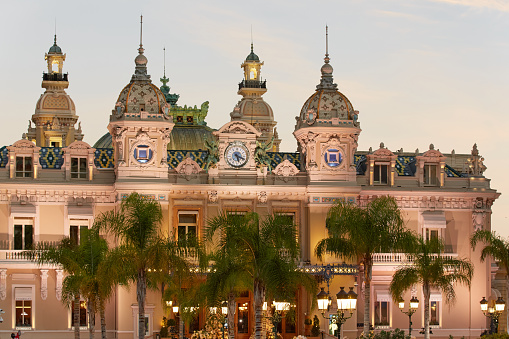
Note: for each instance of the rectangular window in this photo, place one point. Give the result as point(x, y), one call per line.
point(382, 313)
point(434, 313)
point(23, 297)
point(290, 218)
point(23, 234)
point(432, 233)
point(187, 225)
point(430, 175)
point(24, 167)
point(78, 168)
point(381, 174)
point(76, 232)
point(83, 314)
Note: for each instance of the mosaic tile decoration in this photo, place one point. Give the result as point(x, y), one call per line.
point(103, 158)
point(278, 157)
point(331, 200)
point(452, 173)
point(176, 156)
point(405, 165)
point(4, 156)
point(51, 157)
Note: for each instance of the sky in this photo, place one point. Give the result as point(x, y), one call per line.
point(418, 71)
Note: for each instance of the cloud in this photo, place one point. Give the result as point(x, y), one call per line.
point(499, 5)
point(401, 15)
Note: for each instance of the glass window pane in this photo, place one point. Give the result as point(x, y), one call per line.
point(74, 164)
point(187, 218)
point(73, 234)
point(243, 317)
point(18, 237)
point(376, 173)
point(383, 174)
point(28, 164)
point(29, 236)
point(19, 164)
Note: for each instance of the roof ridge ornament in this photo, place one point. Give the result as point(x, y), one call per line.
point(140, 72)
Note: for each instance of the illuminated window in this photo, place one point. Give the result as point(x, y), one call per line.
point(434, 313)
point(430, 174)
point(82, 315)
point(381, 174)
point(78, 168)
point(24, 167)
point(243, 317)
point(23, 234)
point(23, 296)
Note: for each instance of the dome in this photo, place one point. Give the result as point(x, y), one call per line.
point(55, 102)
point(55, 49)
point(326, 69)
point(252, 57)
point(328, 104)
point(181, 138)
point(141, 92)
point(256, 108)
point(141, 59)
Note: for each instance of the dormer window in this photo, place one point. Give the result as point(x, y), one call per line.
point(381, 174)
point(24, 166)
point(430, 175)
point(78, 168)
point(142, 107)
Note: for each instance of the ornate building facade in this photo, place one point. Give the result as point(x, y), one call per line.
point(54, 184)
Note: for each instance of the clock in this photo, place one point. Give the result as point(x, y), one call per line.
point(236, 154)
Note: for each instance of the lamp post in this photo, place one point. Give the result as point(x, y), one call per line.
point(347, 302)
point(493, 309)
point(224, 312)
point(279, 308)
point(412, 307)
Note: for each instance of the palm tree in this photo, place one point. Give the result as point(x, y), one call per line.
point(430, 268)
point(261, 253)
point(144, 254)
point(357, 233)
point(495, 247)
point(66, 255)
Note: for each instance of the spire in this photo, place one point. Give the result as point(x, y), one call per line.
point(170, 98)
point(327, 81)
point(141, 61)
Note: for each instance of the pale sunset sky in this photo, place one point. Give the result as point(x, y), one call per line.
point(418, 71)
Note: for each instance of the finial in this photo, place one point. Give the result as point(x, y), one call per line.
point(55, 41)
point(164, 79)
point(164, 62)
point(141, 50)
point(326, 44)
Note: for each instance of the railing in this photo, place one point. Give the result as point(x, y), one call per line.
point(402, 258)
point(54, 77)
point(253, 84)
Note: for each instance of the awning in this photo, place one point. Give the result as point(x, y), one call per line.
point(434, 219)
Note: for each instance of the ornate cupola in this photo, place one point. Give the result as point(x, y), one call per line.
point(327, 130)
point(140, 125)
point(252, 108)
point(55, 114)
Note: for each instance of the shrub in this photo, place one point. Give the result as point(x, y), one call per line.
point(315, 330)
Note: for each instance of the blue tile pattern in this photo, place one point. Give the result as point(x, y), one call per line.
point(103, 158)
point(4, 156)
point(278, 157)
point(51, 157)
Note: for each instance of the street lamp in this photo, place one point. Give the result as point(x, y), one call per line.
point(279, 308)
point(412, 307)
point(493, 309)
point(347, 302)
point(224, 312)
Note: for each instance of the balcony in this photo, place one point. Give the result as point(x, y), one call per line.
point(252, 84)
point(54, 77)
point(384, 259)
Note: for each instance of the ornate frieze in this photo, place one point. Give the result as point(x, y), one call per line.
point(44, 284)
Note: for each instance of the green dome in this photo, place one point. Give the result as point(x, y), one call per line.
point(55, 50)
point(190, 138)
point(252, 56)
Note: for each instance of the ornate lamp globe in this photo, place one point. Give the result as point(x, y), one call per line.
point(342, 299)
point(414, 303)
point(484, 304)
point(323, 300)
point(499, 305)
point(352, 297)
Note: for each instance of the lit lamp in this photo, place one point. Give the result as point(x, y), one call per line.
point(493, 309)
point(279, 308)
point(347, 303)
point(413, 305)
point(224, 312)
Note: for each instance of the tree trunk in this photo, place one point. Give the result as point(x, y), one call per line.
point(259, 297)
point(181, 328)
point(103, 320)
point(76, 316)
point(141, 291)
point(91, 318)
point(231, 315)
point(426, 292)
point(368, 268)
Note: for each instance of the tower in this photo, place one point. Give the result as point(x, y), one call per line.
point(55, 114)
point(140, 126)
point(327, 131)
point(252, 108)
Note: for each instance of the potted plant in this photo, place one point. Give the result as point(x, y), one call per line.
point(315, 330)
point(307, 326)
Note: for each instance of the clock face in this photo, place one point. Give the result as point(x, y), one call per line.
point(236, 154)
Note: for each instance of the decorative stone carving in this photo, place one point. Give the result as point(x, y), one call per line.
point(478, 219)
point(3, 283)
point(212, 197)
point(475, 163)
point(262, 197)
point(44, 284)
point(286, 169)
point(143, 140)
point(58, 288)
point(188, 168)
